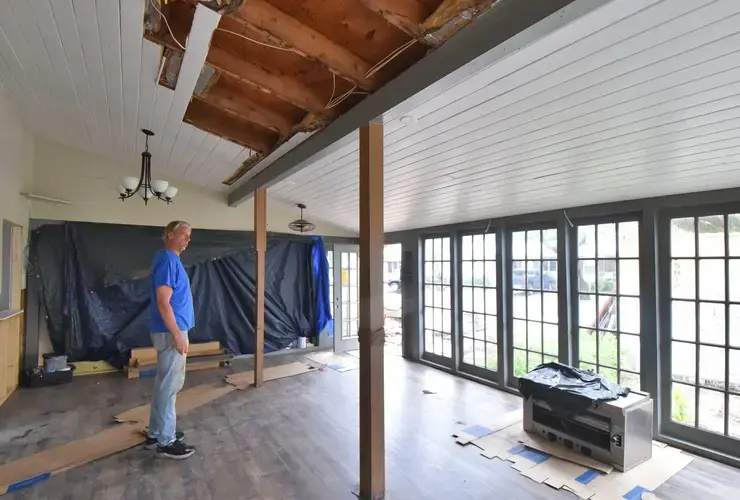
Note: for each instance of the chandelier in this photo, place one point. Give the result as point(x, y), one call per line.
point(131, 185)
point(302, 225)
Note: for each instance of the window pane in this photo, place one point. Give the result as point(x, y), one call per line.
point(607, 240)
point(490, 301)
point(607, 312)
point(446, 273)
point(629, 352)
point(467, 248)
point(467, 273)
point(518, 245)
point(550, 307)
point(519, 305)
point(491, 328)
point(428, 250)
point(519, 275)
point(492, 356)
point(446, 297)
point(550, 339)
point(607, 349)
point(438, 249)
point(631, 380)
point(428, 341)
point(479, 303)
point(438, 272)
point(712, 236)
point(683, 240)
point(683, 362)
point(683, 279)
point(606, 276)
point(711, 279)
point(683, 404)
point(629, 314)
point(479, 277)
point(712, 323)
point(480, 353)
point(447, 345)
point(534, 306)
point(534, 336)
point(520, 334)
point(629, 277)
point(468, 351)
point(478, 247)
point(534, 275)
point(586, 242)
point(587, 311)
point(735, 325)
point(733, 226)
point(610, 373)
point(467, 298)
point(711, 411)
point(490, 270)
point(550, 244)
point(629, 239)
point(734, 280)
point(479, 326)
point(534, 359)
point(683, 320)
point(490, 245)
point(520, 363)
point(550, 275)
point(445, 249)
point(534, 245)
point(587, 276)
point(712, 366)
point(587, 345)
point(734, 412)
point(467, 324)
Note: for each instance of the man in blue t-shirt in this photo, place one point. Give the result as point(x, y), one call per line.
point(171, 315)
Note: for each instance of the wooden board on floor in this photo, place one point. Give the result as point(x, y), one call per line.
point(40, 466)
point(245, 380)
point(148, 355)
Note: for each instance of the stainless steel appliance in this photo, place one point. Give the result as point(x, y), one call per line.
point(619, 433)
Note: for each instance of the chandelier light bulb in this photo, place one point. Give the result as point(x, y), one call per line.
point(159, 187)
point(130, 183)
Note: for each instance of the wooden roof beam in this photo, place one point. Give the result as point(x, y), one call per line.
point(283, 87)
point(449, 10)
point(206, 117)
point(406, 15)
point(247, 108)
point(306, 41)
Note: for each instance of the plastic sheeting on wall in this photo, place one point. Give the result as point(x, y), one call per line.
point(95, 279)
point(321, 275)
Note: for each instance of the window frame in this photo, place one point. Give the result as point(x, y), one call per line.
point(429, 356)
point(498, 375)
point(574, 299)
point(696, 436)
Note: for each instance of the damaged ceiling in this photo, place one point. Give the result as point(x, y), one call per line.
point(277, 68)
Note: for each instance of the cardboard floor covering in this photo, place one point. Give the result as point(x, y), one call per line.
point(559, 468)
point(30, 470)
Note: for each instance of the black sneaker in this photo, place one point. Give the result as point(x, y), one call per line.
point(176, 451)
point(151, 443)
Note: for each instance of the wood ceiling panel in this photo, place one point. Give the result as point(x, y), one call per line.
point(219, 122)
point(258, 107)
point(131, 62)
point(645, 105)
point(109, 32)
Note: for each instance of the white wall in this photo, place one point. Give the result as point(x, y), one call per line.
point(90, 181)
point(16, 165)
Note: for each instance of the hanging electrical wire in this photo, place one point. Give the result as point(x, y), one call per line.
point(286, 49)
point(166, 23)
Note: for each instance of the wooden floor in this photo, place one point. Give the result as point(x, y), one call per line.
point(295, 439)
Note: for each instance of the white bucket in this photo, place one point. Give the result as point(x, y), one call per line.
point(301, 343)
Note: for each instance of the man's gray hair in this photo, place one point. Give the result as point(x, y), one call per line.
point(172, 227)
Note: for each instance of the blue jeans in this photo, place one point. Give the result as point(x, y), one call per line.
point(169, 380)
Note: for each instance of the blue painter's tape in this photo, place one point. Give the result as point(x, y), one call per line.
point(535, 456)
point(587, 476)
point(28, 482)
point(148, 373)
point(478, 431)
point(517, 449)
point(636, 493)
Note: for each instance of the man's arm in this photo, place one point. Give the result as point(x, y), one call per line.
point(164, 294)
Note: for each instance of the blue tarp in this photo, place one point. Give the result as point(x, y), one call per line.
point(321, 275)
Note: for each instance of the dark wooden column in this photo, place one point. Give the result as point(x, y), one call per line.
point(260, 246)
point(372, 336)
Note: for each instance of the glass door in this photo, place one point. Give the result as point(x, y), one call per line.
point(346, 287)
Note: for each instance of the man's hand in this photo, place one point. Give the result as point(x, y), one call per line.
point(181, 344)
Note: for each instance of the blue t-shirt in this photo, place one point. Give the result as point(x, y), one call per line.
point(167, 270)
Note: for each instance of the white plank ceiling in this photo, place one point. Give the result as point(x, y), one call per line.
point(81, 74)
point(639, 98)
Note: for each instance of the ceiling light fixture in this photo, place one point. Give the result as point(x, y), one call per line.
point(302, 225)
point(131, 185)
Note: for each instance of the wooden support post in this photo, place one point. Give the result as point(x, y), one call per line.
point(260, 246)
point(371, 334)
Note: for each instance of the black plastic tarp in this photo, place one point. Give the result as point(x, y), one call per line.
point(95, 288)
point(567, 389)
